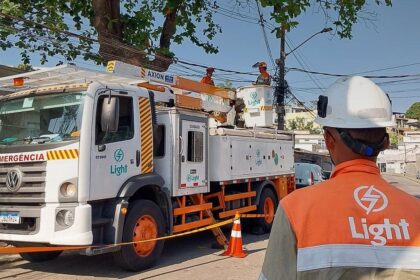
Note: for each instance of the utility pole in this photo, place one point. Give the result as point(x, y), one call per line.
point(281, 85)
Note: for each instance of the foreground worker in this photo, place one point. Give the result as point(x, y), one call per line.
point(264, 77)
point(207, 79)
point(355, 225)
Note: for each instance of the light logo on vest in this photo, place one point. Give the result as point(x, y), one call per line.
point(372, 200)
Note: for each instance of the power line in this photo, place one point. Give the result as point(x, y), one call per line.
point(404, 97)
point(400, 82)
point(403, 90)
point(346, 75)
point(232, 16)
point(159, 57)
point(231, 10)
point(86, 38)
point(302, 63)
point(389, 68)
point(267, 44)
point(307, 109)
point(219, 69)
point(368, 71)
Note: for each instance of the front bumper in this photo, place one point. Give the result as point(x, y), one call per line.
point(46, 231)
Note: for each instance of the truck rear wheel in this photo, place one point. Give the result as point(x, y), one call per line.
point(144, 221)
point(40, 256)
point(267, 206)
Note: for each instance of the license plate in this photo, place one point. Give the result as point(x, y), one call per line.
point(9, 218)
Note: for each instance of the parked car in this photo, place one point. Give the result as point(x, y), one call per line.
point(307, 174)
point(326, 174)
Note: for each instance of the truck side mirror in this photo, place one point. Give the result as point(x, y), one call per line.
point(110, 114)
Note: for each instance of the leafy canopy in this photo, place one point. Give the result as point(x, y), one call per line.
point(414, 111)
point(301, 123)
point(141, 31)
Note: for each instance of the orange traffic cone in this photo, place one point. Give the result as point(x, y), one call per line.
point(235, 243)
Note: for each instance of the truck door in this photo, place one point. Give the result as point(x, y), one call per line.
point(113, 155)
point(193, 156)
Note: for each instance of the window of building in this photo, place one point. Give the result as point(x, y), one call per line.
point(159, 141)
point(125, 124)
point(195, 146)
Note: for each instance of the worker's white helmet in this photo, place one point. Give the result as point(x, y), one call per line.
point(354, 102)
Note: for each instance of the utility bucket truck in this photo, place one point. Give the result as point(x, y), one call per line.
point(100, 158)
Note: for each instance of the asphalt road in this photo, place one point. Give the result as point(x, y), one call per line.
point(405, 183)
point(184, 258)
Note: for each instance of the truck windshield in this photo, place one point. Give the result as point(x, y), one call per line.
point(41, 119)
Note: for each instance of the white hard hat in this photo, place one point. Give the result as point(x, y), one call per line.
point(354, 102)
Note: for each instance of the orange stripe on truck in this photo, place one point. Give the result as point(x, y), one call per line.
point(146, 135)
point(63, 154)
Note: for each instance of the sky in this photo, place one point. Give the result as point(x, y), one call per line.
point(392, 40)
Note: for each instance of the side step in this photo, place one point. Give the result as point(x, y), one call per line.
point(99, 250)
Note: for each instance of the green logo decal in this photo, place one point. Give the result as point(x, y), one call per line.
point(119, 155)
point(118, 170)
point(275, 157)
point(192, 178)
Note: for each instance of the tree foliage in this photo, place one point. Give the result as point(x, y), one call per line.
point(141, 32)
point(226, 84)
point(300, 123)
point(414, 111)
point(394, 138)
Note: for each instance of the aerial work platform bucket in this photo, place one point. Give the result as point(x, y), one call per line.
point(258, 100)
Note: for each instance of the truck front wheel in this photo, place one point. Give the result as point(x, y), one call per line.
point(144, 221)
point(40, 256)
point(267, 206)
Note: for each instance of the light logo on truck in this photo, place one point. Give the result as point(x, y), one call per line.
point(253, 101)
point(118, 169)
point(119, 155)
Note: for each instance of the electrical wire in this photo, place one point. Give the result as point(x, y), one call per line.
point(267, 44)
point(346, 75)
point(302, 63)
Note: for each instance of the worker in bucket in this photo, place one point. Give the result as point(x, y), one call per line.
point(207, 79)
point(355, 225)
point(264, 77)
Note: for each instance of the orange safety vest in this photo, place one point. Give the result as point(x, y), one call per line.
point(355, 219)
point(263, 78)
point(207, 80)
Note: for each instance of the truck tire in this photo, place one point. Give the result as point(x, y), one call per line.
point(267, 205)
point(144, 221)
point(40, 256)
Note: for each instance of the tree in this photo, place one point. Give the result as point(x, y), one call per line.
point(394, 138)
point(300, 123)
point(226, 84)
point(141, 32)
point(25, 67)
point(414, 111)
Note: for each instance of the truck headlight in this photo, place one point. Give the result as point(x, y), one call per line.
point(68, 190)
point(65, 217)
